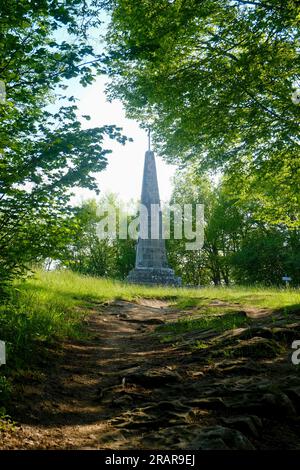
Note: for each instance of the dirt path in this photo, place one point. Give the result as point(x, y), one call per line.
point(125, 389)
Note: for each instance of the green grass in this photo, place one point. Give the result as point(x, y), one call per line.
point(64, 289)
point(50, 306)
point(229, 320)
point(31, 317)
point(263, 297)
point(6, 423)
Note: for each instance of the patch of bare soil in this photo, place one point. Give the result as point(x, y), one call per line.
point(125, 389)
point(250, 312)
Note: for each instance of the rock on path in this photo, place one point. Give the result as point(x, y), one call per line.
point(125, 389)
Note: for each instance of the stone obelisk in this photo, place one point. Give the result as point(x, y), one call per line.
point(151, 265)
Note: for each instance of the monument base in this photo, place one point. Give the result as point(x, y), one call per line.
point(154, 276)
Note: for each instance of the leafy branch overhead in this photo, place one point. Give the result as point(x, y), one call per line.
point(216, 80)
point(44, 151)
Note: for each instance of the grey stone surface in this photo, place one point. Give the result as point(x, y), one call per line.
point(151, 266)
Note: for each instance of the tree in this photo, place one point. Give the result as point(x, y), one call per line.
point(190, 265)
point(266, 253)
point(215, 79)
point(261, 257)
point(224, 225)
point(223, 235)
point(44, 151)
point(238, 247)
point(89, 254)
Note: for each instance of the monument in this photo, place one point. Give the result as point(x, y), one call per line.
point(151, 265)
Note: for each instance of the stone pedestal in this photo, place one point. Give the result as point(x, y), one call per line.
point(154, 276)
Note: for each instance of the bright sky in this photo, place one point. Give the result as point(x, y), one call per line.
point(124, 171)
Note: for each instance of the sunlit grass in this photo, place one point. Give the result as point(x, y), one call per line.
point(65, 289)
point(226, 321)
point(50, 306)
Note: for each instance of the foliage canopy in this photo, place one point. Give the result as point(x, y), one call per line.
point(44, 150)
point(215, 79)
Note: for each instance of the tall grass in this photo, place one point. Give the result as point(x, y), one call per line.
point(50, 306)
point(45, 307)
point(32, 317)
point(216, 322)
point(65, 289)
